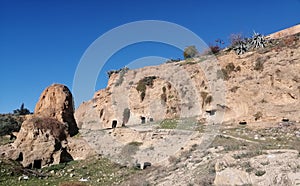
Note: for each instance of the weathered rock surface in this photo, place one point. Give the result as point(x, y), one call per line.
point(44, 138)
point(258, 86)
point(286, 32)
point(56, 101)
point(275, 167)
point(41, 141)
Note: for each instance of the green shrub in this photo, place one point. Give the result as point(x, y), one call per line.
point(111, 72)
point(190, 52)
point(142, 85)
point(257, 115)
point(135, 143)
point(259, 64)
point(22, 110)
point(169, 124)
point(224, 73)
point(10, 123)
point(122, 72)
point(173, 60)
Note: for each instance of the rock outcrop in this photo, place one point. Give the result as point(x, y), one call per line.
point(258, 86)
point(43, 137)
point(56, 101)
point(40, 142)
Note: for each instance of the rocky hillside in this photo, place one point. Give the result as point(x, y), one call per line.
point(212, 120)
point(222, 119)
point(257, 87)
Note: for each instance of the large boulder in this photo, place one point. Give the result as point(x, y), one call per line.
point(43, 137)
point(56, 101)
point(40, 142)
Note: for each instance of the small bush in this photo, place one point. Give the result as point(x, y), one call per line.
point(235, 39)
point(259, 65)
point(190, 52)
point(208, 99)
point(222, 74)
point(214, 49)
point(230, 67)
point(247, 167)
point(173, 60)
point(109, 73)
point(122, 72)
point(249, 154)
point(135, 143)
point(142, 85)
point(257, 115)
point(22, 110)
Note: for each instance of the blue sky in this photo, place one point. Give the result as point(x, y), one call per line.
point(41, 42)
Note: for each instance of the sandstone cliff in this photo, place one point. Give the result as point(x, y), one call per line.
point(258, 87)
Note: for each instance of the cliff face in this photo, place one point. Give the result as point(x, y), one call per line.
point(258, 87)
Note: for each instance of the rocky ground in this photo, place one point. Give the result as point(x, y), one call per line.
point(237, 155)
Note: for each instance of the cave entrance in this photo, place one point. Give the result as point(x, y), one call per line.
point(114, 124)
point(211, 112)
point(20, 157)
point(37, 164)
point(143, 120)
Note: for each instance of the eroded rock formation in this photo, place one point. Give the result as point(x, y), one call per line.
point(56, 101)
point(44, 136)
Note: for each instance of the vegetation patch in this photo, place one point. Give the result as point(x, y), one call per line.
point(143, 84)
point(135, 143)
point(257, 115)
point(122, 72)
point(190, 52)
point(168, 124)
point(248, 154)
point(10, 123)
point(206, 99)
point(96, 170)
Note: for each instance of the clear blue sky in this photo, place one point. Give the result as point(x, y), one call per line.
point(41, 42)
